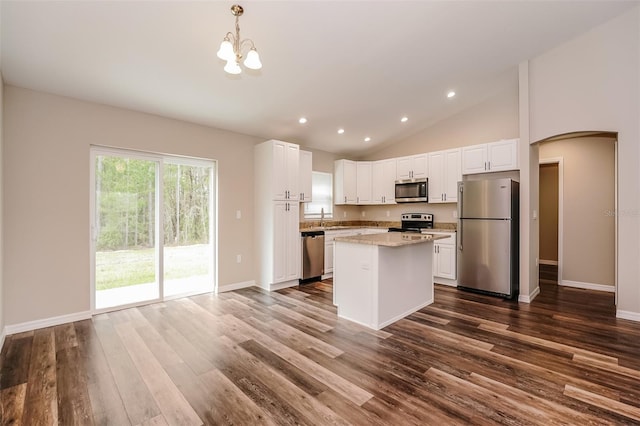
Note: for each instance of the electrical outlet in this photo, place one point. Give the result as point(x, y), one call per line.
point(455, 214)
point(364, 214)
point(238, 258)
point(344, 214)
point(388, 213)
point(238, 214)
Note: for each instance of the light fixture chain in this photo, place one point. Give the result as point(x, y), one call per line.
point(236, 42)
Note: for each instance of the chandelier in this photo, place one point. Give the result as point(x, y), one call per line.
point(231, 48)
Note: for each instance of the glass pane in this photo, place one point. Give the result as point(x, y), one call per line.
point(125, 231)
point(188, 250)
point(322, 201)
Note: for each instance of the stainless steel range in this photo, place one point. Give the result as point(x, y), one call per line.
point(415, 222)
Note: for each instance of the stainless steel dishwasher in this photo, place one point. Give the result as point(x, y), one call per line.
point(312, 255)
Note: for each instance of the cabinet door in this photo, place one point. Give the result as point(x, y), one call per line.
point(280, 237)
point(292, 171)
point(363, 182)
point(404, 167)
point(306, 164)
point(445, 259)
point(328, 257)
point(350, 180)
point(280, 170)
point(293, 242)
point(452, 174)
point(503, 155)
point(420, 167)
point(436, 175)
point(474, 159)
point(383, 181)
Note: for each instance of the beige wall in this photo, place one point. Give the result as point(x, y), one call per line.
point(46, 194)
point(588, 222)
point(592, 83)
point(494, 119)
point(548, 211)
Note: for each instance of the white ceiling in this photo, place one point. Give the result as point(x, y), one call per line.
point(360, 65)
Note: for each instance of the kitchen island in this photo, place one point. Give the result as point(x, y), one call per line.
point(381, 278)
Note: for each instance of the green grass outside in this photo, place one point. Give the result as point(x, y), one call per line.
point(123, 268)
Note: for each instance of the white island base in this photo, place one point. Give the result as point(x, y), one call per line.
point(376, 283)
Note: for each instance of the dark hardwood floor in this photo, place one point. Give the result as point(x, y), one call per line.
point(251, 357)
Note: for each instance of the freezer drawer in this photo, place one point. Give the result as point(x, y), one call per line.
point(485, 260)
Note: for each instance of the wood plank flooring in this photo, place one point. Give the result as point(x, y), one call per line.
point(283, 358)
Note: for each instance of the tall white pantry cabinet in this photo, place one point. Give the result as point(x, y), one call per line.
point(276, 175)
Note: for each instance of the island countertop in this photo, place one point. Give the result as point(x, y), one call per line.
point(391, 239)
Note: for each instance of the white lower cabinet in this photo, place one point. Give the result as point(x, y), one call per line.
point(328, 256)
point(444, 257)
point(286, 242)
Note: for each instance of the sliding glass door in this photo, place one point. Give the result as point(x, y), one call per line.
point(152, 227)
point(188, 248)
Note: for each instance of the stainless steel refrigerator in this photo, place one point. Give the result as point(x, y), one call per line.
point(488, 236)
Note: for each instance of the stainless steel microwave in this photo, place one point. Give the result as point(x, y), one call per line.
point(412, 191)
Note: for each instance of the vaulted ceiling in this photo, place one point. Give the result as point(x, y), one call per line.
point(357, 65)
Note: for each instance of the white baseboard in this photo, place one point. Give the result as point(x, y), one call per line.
point(528, 298)
point(404, 314)
point(286, 284)
point(236, 286)
point(628, 315)
point(548, 262)
point(445, 281)
point(2, 336)
point(46, 322)
point(588, 286)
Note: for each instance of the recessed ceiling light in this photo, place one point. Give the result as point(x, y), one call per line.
point(404, 119)
point(302, 120)
point(367, 139)
point(340, 131)
point(451, 94)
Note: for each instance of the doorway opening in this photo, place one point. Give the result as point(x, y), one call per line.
point(578, 223)
point(152, 228)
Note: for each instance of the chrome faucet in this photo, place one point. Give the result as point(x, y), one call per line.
point(322, 217)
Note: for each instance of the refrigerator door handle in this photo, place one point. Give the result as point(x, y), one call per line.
point(460, 236)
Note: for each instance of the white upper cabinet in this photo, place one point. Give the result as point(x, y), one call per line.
point(383, 176)
point(286, 159)
point(490, 157)
point(445, 170)
point(306, 166)
point(503, 155)
point(411, 167)
point(363, 182)
point(345, 178)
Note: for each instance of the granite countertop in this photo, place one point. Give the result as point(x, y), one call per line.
point(356, 224)
point(391, 239)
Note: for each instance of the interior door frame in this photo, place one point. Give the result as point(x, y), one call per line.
point(560, 162)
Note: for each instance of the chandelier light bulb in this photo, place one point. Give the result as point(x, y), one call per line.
point(253, 60)
point(232, 67)
point(226, 50)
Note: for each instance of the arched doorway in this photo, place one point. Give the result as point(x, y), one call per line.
point(578, 184)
